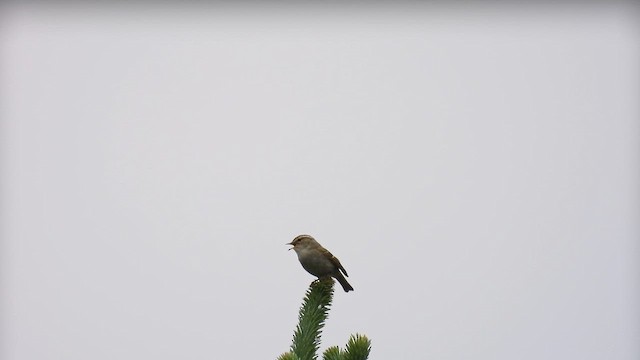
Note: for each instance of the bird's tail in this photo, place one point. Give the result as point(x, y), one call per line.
point(345, 285)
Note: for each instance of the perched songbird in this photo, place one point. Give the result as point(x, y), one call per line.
point(319, 261)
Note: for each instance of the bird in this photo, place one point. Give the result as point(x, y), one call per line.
point(318, 261)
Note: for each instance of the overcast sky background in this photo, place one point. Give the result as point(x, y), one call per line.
point(475, 169)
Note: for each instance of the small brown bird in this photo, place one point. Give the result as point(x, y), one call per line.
point(318, 261)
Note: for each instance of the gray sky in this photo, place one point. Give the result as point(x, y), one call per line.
point(474, 168)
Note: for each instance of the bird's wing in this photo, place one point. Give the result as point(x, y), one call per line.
point(334, 260)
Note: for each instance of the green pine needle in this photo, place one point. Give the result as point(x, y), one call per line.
point(358, 348)
point(288, 356)
point(312, 316)
point(332, 353)
point(311, 319)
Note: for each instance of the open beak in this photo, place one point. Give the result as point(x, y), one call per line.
point(289, 244)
